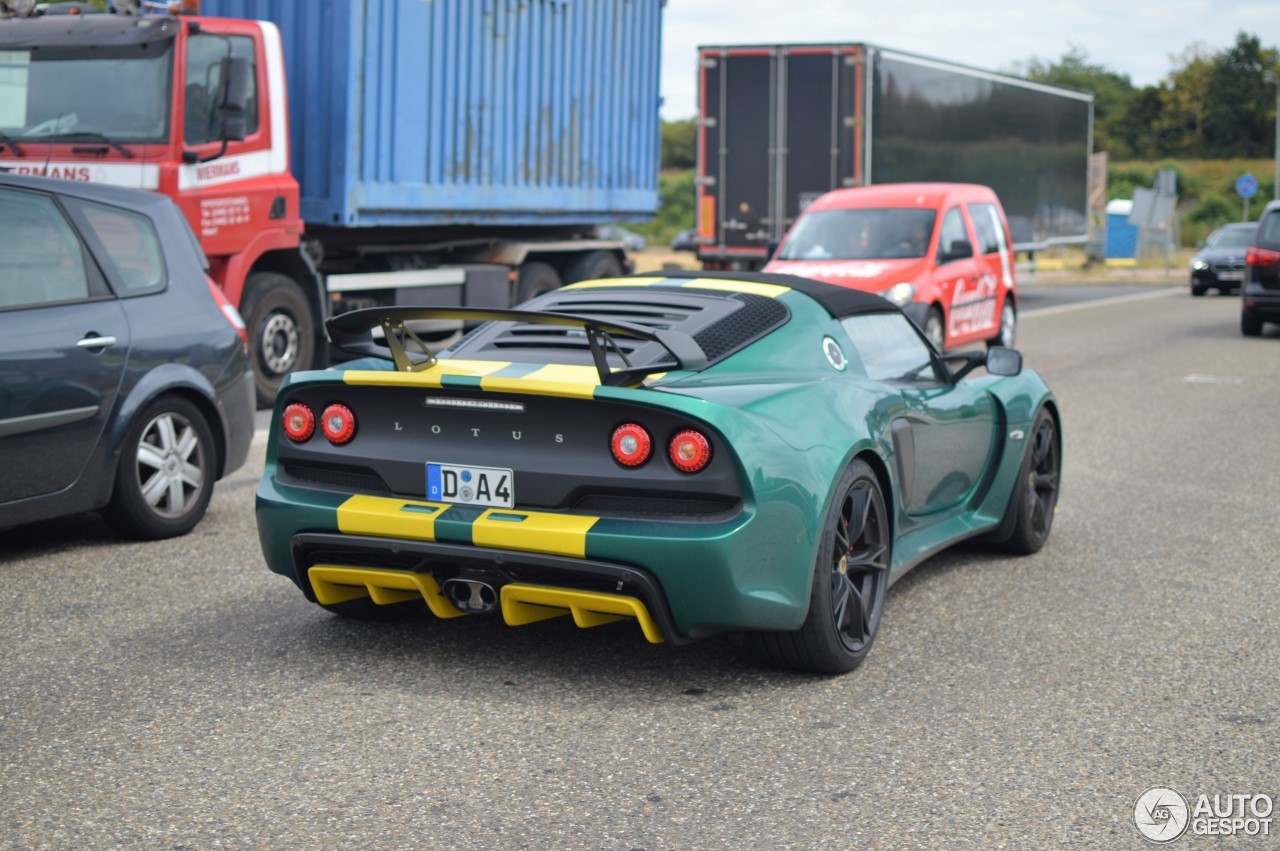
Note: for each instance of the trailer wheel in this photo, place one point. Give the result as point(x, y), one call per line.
point(281, 331)
point(592, 265)
point(535, 279)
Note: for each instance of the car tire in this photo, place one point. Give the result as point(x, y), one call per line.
point(1007, 336)
point(535, 279)
point(281, 331)
point(1198, 289)
point(847, 598)
point(166, 472)
point(1250, 324)
point(934, 328)
point(1035, 496)
point(592, 265)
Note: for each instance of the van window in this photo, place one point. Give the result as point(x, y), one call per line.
point(865, 233)
point(987, 227)
point(952, 231)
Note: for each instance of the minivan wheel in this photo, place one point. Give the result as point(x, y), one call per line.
point(933, 329)
point(165, 477)
point(1008, 334)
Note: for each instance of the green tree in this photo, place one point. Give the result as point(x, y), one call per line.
point(679, 144)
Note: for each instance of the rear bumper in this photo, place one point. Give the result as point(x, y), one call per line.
point(505, 570)
point(695, 579)
point(1262, 303)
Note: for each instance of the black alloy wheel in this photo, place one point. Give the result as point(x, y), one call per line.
point(851, 579)
point(1037, 489)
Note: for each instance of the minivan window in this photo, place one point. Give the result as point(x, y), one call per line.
point(987, 227)
point(952, 231)
point(868, 233)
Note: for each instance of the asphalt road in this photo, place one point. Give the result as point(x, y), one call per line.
point(177, 694)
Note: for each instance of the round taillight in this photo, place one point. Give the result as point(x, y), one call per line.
point(690, 451)
point(338, 424)
point(299, 423)
point(630, 444)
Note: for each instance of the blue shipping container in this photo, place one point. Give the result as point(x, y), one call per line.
point(499, 112)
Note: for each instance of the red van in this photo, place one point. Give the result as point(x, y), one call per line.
point(940, 251)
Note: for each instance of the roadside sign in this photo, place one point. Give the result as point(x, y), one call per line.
point(1247, 185)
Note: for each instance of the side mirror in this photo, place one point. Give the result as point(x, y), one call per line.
point(233, 98)
point(771, 247)
point(1003, 361)
point(998, 360)
point(959, 249)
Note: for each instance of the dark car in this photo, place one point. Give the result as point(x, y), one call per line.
point(1261, 289)
point(685, 240)
point(1219, 264)
point(124, 383)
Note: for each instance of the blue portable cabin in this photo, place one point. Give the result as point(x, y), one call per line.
point(469, 112)
point(1122, 237)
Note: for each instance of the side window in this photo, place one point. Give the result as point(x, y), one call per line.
point(131, 244)
point(42, 261)
point(1269, 231)
point(204, 80)
point(987, 227)
point(890, 348)
point(952, 231)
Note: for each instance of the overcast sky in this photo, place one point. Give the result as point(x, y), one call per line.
point(1133, 37)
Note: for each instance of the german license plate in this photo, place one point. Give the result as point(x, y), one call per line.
point(1231, 276)
point(491, 487)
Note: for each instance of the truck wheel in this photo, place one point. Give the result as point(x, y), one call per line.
point(535, 279)
point(592, 265)
point(281, 333)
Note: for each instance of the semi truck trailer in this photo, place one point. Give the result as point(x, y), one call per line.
point(340, 154)
point(779, 125)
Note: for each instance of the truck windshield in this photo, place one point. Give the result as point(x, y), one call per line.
point(120, 92)
point(873, 233)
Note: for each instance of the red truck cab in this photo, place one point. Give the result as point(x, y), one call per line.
point(940, 251)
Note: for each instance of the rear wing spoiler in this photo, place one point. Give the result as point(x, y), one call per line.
point(352, 332)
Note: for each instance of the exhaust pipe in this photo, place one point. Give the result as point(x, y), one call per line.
point(471, 595)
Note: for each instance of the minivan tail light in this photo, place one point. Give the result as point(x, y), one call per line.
point(338, 424)
point(630, 444)
point(1262, 257)
point(299, 422)
point(690, 451)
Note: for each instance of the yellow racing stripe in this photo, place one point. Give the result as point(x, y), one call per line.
point(768, 290)
point(390, 518)
point(533, 532)
point(613, 282)
point(427, 377)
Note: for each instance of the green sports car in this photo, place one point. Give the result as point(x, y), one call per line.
point(691, 452)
